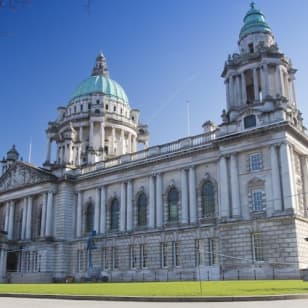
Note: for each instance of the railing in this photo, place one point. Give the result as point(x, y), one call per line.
point(171, 147)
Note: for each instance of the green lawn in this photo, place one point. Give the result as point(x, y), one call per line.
point(212, 288)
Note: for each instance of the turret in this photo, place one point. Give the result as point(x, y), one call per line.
point(259, 79)
point(11, 157)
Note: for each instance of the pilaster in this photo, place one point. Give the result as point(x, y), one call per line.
point(103, 210)
point(123, 206)
point(151, 201)
point(184, 196)
point(192, 195)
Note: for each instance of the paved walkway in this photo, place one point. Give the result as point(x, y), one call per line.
point(56, 303)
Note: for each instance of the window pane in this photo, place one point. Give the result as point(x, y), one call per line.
point(255, 161)
point(257, 200)
point(208, 199)
point(142, 210)
point(114, 215)
point(250, 121)
point(89, 217)
point(173, 199)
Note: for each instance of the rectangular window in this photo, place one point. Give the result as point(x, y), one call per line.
point(175, 254)
point(132, 257)
point(114, 255)
point(212, 251)
point(143, 257)
point(104, 259)
point(255, 161)
point(81, 107)
point(197, 253)
point(81, 260)
point(163, 255)
point(257, 247)
point(257, 200)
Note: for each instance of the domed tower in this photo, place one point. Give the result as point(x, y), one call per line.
point(259, 79)
point(11, 157)
point(97, 124)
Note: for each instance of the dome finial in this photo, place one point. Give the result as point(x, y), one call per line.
point(100, 68)
point(252, 5)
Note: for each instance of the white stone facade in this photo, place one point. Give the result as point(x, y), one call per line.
point(230, 203)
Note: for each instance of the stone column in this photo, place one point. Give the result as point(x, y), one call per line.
point(265, 78)
point(238, 91)
point(81, 137)
point(48, 155)
point(123, 150)
point(129, 221)
point(244, 94)
point(278, 80)
point(184, 195)
point(49, 214)
point(159, 202)
point(123, 206)
point(275, 179)
point(224, 189)
point(102, 135)
point(79, 214)
point(129, 143)
point(192, 195)
point(43, 220)
point(96, 210)
point(227, 93)
point(24, 219)
point(293, 178)
point(305, 177)
point(286, 176)
point(231, 97)
point(235, 187)
point(151, 202)
point(6, 221)
point(11, 221)
point(113, 140)
point(255, 84)
point(29, 218)
point(91, 133)
point(134, 143)
point(103, 210)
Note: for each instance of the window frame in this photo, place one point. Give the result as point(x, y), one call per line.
point(206, 200)
point(257, 247)
point(173, 205)
point(255, 161)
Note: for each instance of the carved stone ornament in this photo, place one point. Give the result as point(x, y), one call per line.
point(22, 174)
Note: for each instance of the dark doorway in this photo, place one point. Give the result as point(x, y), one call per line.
point(12, 262)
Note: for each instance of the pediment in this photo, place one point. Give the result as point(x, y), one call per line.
point(22, 174)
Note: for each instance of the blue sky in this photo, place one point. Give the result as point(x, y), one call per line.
point(163, 53)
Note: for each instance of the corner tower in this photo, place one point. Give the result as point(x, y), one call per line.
point(259, 79)
point(97, 124)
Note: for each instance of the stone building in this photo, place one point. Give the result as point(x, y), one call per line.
point(230, 203)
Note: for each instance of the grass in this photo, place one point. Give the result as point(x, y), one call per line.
point(188, 288)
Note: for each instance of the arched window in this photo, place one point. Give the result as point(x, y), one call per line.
point(208, 199)
point(142, 210)
point(114, 214)
point(173, 200)
point(89, 218)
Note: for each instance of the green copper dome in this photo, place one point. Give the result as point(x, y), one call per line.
point(101, 84)
point(254, 21)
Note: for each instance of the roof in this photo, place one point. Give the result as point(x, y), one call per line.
point(254, 21)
